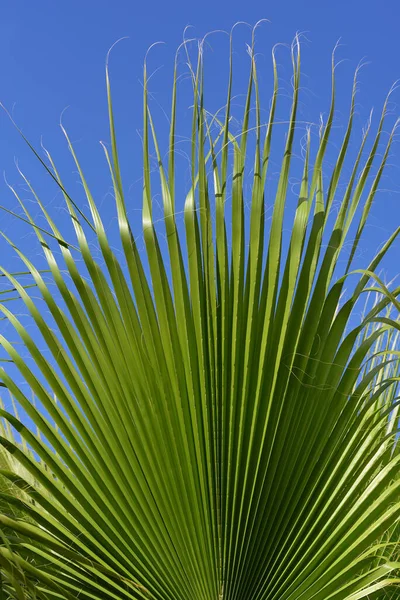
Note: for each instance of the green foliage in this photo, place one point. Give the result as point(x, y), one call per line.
point(214, 426)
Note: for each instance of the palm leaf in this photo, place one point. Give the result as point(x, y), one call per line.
point(212, 422)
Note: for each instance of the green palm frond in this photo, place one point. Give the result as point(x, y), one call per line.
point(213, 422)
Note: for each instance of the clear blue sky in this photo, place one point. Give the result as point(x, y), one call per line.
point(52, 55)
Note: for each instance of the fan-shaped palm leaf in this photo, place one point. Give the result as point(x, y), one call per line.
point(222, 429)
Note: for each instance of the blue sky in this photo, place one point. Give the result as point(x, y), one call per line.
point(53, 56)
